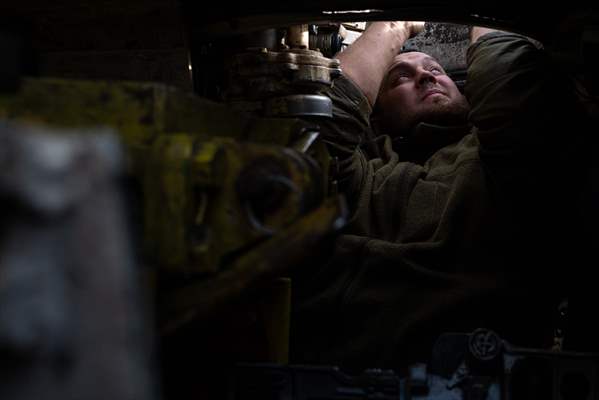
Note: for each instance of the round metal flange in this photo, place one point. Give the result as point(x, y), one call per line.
point(484, 345)
point(299, 105)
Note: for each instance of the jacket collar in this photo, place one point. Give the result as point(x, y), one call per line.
point(425, 139)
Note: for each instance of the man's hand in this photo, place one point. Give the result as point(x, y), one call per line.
point(478, 31)
point(412, 28)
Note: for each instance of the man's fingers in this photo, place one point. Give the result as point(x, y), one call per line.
point(416, 27)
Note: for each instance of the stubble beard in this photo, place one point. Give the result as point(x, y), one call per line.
point(443, 113)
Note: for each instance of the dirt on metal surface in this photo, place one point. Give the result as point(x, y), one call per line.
point(445, 42)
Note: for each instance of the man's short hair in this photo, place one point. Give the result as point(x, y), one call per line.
point(409, 48)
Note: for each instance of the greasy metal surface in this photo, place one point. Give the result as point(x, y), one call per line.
point(299, 105)
point(180, 168)
point(445, 42)
point(261, 74)
point(207, 199)
point(137, 111)
point(297, 36)
point(272, 257)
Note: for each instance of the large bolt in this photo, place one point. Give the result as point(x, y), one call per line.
point(485, 349)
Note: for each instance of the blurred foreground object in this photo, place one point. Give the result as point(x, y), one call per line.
point(71, 321)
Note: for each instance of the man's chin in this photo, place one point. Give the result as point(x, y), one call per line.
point(436, 98)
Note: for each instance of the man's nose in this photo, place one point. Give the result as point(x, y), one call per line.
point(425, 77)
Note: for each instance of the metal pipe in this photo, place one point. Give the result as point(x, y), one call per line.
point(298, 37)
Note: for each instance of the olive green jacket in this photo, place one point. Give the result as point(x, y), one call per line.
point(464, 240)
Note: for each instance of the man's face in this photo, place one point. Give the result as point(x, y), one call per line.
point(417, 89)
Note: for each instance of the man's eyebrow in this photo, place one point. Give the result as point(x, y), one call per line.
point(429, 59)
point(400, 65)
point(396, 68)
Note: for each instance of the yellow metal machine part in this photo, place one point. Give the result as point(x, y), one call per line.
point(226, 198)
point(220, 196)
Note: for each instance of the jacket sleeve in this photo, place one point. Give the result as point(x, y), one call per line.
point(349, 137)
point(521, 105)
point(350, 126)
point(507, 86)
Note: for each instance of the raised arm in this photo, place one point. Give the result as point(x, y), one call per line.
point(478, 31)
point(510, 84)
point(367, 60)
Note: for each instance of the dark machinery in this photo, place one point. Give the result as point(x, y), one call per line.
point(224, 189)
point(478, 365)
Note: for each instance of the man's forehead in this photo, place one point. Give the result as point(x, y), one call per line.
point(412, 57)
